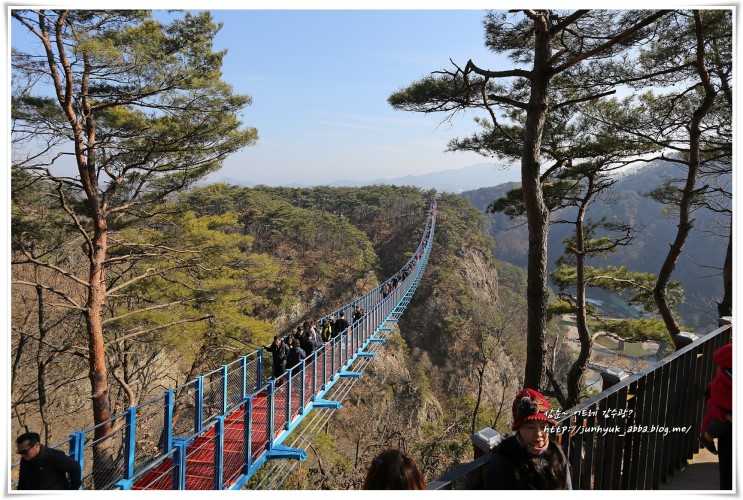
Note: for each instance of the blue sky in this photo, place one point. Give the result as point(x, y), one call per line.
point(320, 79)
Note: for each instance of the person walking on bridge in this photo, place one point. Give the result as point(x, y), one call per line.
point(327, 329)
point(280, 352)
point(44, 468)
point(307, 342)
point(296, 354)
point(341, 324)
point(358, 313)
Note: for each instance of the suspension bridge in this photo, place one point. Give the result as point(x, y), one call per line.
point(216, 431)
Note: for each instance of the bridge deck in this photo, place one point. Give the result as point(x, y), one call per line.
point(701, 473)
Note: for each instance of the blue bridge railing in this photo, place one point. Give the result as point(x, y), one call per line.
point(215, 431)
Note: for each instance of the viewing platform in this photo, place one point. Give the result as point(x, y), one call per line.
point(701, 473)
point(657, 413)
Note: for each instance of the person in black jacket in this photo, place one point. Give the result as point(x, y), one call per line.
point(44, 468)
point(529, 460)
point(296, 354)
point(341, 324)
point(307, 342)
point(280, 352)
point(358, 313)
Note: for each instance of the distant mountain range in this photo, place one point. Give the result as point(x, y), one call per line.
point(452, 181)
point(698, 268)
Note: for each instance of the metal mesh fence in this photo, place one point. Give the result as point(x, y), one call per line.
point(184, 410)
point(267, 372)
point(235, 447)
point(337, 355)
point(330, 363)
point(311, 378)
point(259, 423)
point(251, 375)
point(103, 458)
point(235, 381)
point(309, 375)
point(296, 394)
point(150, 432)
point(213, 396)
point(279, 408)
point(320, 365)
point(343, 344)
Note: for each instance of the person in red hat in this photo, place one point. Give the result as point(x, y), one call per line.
point(529, 459)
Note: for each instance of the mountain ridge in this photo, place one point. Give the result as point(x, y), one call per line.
point(703, 251)
point(455, 180)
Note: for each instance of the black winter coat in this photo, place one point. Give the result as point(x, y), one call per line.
point(49, 470)
point(512, 467)
point(307, 345)
point(280, 354)
point(296, 354)
point(340, 326)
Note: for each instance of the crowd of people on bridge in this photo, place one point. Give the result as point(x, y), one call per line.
point(290, 351)
point(397, 279)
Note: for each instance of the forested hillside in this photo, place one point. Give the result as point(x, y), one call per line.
point(248, 263)
point(699, 269)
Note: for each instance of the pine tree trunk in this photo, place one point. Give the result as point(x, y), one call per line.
point(575, 375)
point(536, 212)
point(685, 222)
point(103, 466)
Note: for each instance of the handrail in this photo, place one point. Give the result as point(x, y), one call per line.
point(657, 411)
point(642, 373)
point(446, 481)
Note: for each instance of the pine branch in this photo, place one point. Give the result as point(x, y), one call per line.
point(74, 305)
point(145, 309)
point(161, 327)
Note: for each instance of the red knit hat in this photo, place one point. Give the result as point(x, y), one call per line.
point(529, 406)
